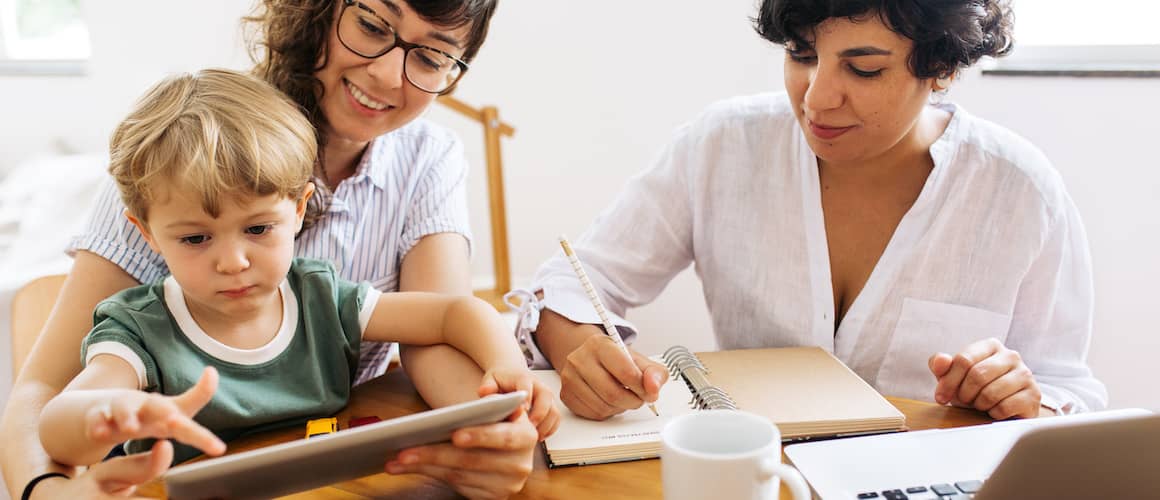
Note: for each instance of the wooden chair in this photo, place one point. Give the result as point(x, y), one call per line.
point(493, 129)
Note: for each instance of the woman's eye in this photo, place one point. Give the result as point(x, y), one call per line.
point(195, 239)
point(430, 63)
point(864, 73)
point(371, 29)
point(802, 57)
point(258, 230)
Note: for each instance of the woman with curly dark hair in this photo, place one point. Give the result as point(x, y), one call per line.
point(392, 211)
point(935, 253)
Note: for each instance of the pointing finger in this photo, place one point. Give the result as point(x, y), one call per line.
point(193, 400)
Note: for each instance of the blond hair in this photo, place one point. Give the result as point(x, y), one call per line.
point(216, 133)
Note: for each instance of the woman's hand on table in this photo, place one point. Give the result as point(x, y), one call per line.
point(987, 376)
point(481, 462)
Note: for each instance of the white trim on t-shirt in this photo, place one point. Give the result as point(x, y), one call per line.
point(122, 351)
point(175, 302)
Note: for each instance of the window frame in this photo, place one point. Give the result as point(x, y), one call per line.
point(13, 66)
point(1078, 59)
point(1110, 61)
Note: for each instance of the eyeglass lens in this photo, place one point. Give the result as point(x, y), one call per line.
point(367, 34)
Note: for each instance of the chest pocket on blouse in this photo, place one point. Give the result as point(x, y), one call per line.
point(924, 328)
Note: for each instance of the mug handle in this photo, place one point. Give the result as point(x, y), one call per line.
point(791, 476)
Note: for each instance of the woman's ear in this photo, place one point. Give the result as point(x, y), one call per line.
point(143, 228)
point(303, 201)
point(942, 83)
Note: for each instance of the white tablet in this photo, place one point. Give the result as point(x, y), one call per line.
point(311, 463)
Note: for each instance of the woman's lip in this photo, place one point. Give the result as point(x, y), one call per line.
point(358, 106)
point(827, 132)
point(368, 94)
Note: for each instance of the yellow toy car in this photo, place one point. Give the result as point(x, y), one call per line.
point(321, 426)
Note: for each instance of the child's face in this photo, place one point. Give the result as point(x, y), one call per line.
point(229, 266)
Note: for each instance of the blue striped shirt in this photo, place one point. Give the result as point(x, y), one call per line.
point(409, 184)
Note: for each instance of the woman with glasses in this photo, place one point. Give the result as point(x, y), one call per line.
point(935, 253)
point(391, 211)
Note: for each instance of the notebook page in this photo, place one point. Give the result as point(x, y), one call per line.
point(629, 428)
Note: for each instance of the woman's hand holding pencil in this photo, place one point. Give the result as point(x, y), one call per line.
point(602, 377)
point(598, 382)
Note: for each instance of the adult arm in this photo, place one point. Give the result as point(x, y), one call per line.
point(1044, 361)
point(54, 360)
point(1052, 323)
point(630, 254)
point(597, 381)
point(439, 263)
point(436, 258)
point(483, 461)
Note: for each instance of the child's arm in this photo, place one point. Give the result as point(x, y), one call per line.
point(101, 408)
point(472, 326)
point(465, 323)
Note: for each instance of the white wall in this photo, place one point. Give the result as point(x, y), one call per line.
point(135, 43)
point(594, 89)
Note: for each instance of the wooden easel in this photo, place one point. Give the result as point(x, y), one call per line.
point(493, 128)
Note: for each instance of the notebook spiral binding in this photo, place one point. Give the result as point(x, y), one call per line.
point(687, 366)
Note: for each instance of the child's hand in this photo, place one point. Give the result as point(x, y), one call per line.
point(136, 415)
point(541, 401)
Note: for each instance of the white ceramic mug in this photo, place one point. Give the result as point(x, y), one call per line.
point(725, 454)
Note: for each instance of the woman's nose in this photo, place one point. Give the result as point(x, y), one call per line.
point(388, 68)
point(825, 91)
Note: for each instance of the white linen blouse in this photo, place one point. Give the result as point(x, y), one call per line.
point(992, 247)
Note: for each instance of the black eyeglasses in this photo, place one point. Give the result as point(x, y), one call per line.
point(365, 33)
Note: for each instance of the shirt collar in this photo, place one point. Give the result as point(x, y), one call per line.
point(368, 168)
point(943, 148)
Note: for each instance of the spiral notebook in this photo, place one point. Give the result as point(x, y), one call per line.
point(806, 391)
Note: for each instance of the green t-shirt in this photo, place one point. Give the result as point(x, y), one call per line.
point(305, 372)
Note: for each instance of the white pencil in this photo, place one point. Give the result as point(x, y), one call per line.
point(609, 328)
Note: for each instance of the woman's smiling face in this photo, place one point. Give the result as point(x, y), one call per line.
point(852, 89)
point(365, 98)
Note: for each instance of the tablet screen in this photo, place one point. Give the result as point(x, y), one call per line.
point(312, 463)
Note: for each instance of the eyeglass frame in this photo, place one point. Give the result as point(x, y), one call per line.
point(399, 42)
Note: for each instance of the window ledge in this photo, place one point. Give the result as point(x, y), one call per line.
point(1079, 61)
point(28, 67)
point(1093, 70)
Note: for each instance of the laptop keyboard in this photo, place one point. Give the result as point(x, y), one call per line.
point(961, 490)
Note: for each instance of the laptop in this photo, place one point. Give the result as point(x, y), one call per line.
point(331, 458)
point(1110, 454)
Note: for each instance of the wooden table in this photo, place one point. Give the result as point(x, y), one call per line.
point(393, 395)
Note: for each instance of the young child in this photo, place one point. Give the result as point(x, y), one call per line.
point(215, 170)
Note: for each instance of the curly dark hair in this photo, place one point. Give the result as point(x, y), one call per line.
point(287, 41)
point(948, 35)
